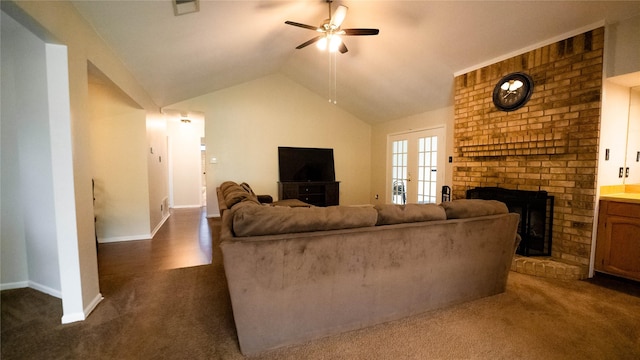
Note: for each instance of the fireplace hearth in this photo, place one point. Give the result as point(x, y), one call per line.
point(536, 216)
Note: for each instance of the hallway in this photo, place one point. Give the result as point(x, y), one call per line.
point(184, 240)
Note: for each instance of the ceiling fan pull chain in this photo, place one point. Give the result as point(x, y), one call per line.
point(332, 78)
point(335, 78)
point(330, 94)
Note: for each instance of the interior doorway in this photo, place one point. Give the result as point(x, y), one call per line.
point(416, 163)
point(185, 132)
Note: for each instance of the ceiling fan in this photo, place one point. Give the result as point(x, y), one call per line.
point(331, 32)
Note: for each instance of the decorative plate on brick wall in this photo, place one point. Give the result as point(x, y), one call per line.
point(512, 91)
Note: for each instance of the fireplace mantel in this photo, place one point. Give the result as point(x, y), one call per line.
point(530, 144)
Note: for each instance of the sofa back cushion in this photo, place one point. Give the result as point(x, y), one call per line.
point(467, 208)
point(396, 214)
point(252, 220)
point(234, 193)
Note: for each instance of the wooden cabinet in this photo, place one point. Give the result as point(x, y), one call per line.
point(618, 239)
point(312, 192)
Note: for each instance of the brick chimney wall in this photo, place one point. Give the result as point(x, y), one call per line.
point(549, 144)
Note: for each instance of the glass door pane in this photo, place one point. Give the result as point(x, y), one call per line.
point(399, 157)
point(427, 169)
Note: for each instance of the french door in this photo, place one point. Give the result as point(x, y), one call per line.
point(416, 166)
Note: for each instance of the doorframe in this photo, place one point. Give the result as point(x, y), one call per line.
point(442, 156)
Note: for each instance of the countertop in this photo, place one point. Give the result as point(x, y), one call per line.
point(626, 197)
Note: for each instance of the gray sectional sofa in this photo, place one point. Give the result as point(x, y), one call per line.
point(300, 273)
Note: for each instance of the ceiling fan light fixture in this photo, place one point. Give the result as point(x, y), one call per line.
point(322, 43)
point(339, 15)
point(331, 31)
point(334, 43)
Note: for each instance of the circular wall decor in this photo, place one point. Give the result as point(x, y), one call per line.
point(512, 91)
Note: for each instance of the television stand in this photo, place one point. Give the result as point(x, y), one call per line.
point(318, 193)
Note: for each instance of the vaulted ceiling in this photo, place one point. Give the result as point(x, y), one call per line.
point(407, 69)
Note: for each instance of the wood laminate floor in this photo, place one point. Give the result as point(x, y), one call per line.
point(184, 240)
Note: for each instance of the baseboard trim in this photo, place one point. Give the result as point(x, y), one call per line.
point(135, 237)
point(45, 289)
point(75, 317)
point(14, 285)
point(186, 207)
point(164, 219)
point(125, 238)
point(71, 318)
point(33, 285)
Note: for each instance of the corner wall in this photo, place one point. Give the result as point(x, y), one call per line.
point(29, 234)
point(59, 22)
point(550, 144)
point(119, 165)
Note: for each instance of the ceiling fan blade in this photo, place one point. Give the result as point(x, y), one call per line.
point(305, 26)
point(343, 48)
point(307, 43)
point(339, 15)
point(355, 32)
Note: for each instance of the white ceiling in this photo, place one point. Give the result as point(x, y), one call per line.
point(407, 69)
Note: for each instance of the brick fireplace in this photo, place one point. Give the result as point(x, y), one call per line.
point(550, 144)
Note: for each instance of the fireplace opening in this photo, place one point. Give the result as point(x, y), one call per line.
point(536, 216)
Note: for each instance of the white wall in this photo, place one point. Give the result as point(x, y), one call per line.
point(245, 124)
point(29, 234)
point(14, 260)
point(613, 132)
point(633, 141)
point(119, 164)
point(380, 132)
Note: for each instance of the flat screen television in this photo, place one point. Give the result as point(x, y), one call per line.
point(305, 164)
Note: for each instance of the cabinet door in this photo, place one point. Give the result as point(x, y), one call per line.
point(618, 241)
point(332, 194)
point(289, 191)
point(623, 256)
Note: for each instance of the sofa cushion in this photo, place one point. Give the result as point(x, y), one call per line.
point(396, 214)
point(227, 184)
point(252, 220)
point(467, 208)
point(291, 203)
point(234, 193)
point(247, 188)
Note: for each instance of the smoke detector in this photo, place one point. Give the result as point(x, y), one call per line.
point(181, 7)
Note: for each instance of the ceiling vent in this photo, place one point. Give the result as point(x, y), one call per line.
point(181, 7)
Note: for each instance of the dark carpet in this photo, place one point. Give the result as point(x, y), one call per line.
point(186, 314)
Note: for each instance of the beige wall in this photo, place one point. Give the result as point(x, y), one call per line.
point(158, 175)
point(380, 132)
point(119, 165)
point(245, 124)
